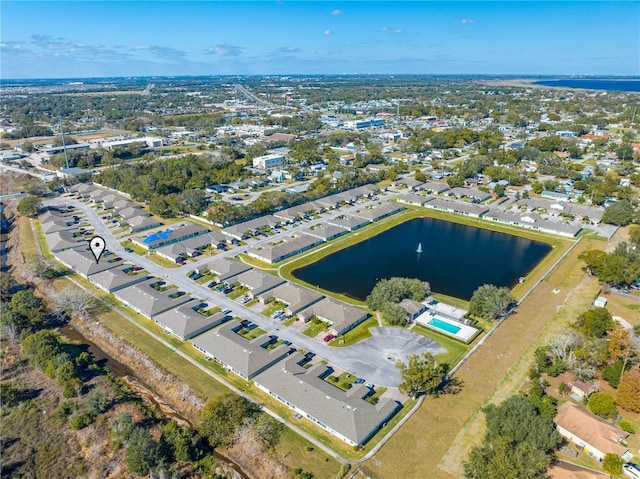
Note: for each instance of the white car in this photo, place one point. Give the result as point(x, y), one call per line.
point(632, 470)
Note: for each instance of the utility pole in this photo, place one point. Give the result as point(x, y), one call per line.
point(64, 146)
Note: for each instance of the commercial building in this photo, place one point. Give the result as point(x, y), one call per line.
point(268, 162)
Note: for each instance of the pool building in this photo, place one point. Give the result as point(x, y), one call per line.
point(434, 320)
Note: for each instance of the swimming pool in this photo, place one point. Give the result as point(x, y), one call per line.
point(445, 326)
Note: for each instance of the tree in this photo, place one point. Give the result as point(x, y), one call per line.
point(502, 460)
point(499, 190)
point(634, 234)
point(628, 396)
point(26, 305)
point(490, 302)
point(142, 452)
point(222, 415)
point(619, 213)
point(29, 206)
point(518, 443)
point(595, 322)
point(420, 176)
point(394, 290)
point(612, 464)
point(394, 314)
point(36, 187)
point(74, 302)
point(6, 285)
point(9, 395)
point(517, 420)
point(421, 374)
point(602, 405)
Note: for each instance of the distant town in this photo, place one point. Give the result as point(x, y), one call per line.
point(360, 266)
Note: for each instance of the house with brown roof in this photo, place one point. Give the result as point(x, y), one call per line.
point(593, 435)
point(581, 390)
point(564, 470)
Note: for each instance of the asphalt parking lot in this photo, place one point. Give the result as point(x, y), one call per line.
point(374, 359)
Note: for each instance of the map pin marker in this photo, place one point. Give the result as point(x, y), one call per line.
point(97, 245)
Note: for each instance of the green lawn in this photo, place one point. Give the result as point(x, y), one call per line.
point(344, 381)
point(289, 321)
point(455, 349)
point(358, 333)
point(159, 260)
point(254, 333)
point(377, 392)
point(136, 249)
point(273, 307)
point(237, 292)
point(315, 328)
point(207, 276)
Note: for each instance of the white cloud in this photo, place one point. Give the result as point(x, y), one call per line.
point(384, 29)
point(288, 50)
point(224, 50)
point(466, 21)
point(327, 32)
point(337, 12)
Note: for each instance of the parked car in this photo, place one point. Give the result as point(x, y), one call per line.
point(226, 311)
point(632, 470)
point(328, 338)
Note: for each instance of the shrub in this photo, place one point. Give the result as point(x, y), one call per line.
point(602, 405)
point(613, 464)
point(626, 427)
point(80, 420)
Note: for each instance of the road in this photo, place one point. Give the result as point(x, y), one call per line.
point(373, 359)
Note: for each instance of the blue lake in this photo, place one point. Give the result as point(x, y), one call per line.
point(455, 259)
point(594, 84)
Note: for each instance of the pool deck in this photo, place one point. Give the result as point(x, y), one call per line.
point(465, 333)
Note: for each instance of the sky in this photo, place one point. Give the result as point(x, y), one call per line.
point(81, 39)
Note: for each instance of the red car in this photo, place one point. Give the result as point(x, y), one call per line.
point(328, 338)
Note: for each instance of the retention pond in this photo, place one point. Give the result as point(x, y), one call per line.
point(455, 259)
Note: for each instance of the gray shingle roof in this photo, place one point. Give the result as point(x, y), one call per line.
point(258, 282)
point(114, 279)
point(297, 297)
point(247, 358)
point(83, 262)
point(346, 413)
point(186, 323)
point(342, 316)
point(149, 301)
point(226, 269)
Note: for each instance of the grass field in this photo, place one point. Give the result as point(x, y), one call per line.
point(438, 437)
